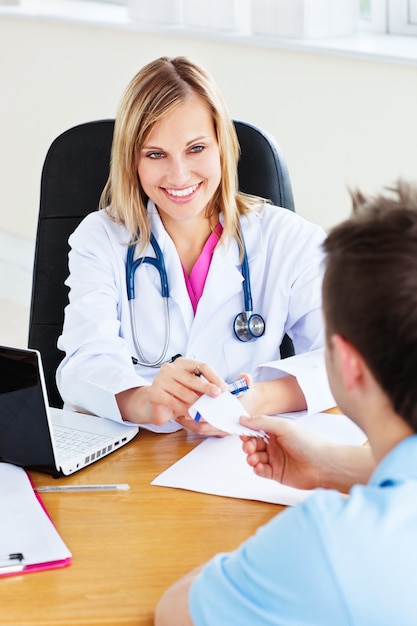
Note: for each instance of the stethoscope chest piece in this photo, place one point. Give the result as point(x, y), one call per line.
point(248, 326)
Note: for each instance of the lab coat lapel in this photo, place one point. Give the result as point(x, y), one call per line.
point(224, 281)
point(225, 278)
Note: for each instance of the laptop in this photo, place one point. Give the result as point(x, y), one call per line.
point(36, 436)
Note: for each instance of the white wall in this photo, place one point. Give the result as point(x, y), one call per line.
point(339, 121)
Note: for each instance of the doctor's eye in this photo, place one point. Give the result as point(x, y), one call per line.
point(197, 149)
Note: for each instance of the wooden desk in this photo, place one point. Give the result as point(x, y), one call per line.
point(127, 547)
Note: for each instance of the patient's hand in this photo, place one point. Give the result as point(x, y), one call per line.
point(294, 456)
point(291, 455)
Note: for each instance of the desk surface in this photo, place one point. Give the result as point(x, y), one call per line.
point(127, 547)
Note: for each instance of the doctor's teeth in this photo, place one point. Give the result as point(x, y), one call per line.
point(182, 192)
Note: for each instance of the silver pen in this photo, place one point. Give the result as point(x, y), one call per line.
point(63, 488)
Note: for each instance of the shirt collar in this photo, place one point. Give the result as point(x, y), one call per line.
point(398, 465)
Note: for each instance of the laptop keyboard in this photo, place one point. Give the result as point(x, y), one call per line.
point(71, 443)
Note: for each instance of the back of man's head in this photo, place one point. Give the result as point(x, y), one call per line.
point(370, 290)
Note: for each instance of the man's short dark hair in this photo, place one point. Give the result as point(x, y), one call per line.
point(370, 289)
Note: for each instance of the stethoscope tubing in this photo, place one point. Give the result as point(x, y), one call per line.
point(247, 291)
point(157, 262)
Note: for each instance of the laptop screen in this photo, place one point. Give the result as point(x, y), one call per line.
point(24, 432)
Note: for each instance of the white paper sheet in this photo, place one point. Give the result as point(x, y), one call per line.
point(331, 426)
point(218, 465)
point(223, 412)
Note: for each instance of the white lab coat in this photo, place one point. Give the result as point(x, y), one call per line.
point(285, 262)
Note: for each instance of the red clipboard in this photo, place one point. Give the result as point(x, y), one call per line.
point(29, 541)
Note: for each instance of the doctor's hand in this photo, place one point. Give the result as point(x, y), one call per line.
point(174, 389)
point(185, 380)
point(297, 457)
point(201, 427)
point(204, 428)
point(204, 381)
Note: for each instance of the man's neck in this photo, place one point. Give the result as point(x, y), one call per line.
point(385, 434)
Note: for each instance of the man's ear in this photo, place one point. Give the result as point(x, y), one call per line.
point(350, 362)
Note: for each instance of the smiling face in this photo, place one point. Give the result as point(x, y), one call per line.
point(179, 163)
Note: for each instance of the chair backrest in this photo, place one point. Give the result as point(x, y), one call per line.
point(74, 173)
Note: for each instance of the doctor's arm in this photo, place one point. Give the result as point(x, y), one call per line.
point(281, 395)
point(298, 382)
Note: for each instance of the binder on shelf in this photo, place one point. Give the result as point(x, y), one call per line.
point(29, 541)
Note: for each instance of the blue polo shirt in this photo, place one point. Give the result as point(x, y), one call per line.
point(331, 561)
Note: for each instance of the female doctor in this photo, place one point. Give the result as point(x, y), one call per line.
point(164, 267)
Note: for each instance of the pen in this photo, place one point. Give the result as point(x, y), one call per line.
point(57, 488)
point(238, 386)
point(235, 388)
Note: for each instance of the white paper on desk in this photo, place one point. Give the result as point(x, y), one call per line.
point(24, 524)
point(334, 427)
point(218, 466)
point(223, 412)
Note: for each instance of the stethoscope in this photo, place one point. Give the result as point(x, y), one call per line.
point(246, 326)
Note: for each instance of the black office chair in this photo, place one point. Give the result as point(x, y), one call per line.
point(74, 173)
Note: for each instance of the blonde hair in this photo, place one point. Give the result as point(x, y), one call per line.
point(154, 92)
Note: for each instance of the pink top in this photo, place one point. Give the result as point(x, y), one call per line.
point(197, 279)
